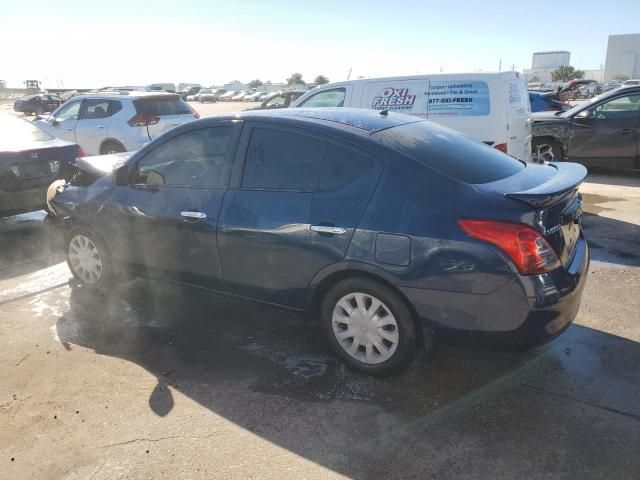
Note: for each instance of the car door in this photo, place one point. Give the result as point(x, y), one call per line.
point(607, 135)
point(291, 211)
point(62, 123)
point(93, 124)
point(163, 222)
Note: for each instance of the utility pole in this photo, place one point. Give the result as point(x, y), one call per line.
point(349, 76)
point(500, 66)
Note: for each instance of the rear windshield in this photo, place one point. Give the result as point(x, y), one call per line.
point(450, 153)
point(162, 106)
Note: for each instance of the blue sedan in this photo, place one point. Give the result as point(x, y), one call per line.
point(386, 227)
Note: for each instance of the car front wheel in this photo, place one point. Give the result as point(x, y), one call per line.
point(369, 326)
point(88, 258)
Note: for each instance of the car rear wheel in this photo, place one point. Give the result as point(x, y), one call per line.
point(88, 258)
point(112, 147)
point(39, 110)
point(546, 150)
point(369, 326)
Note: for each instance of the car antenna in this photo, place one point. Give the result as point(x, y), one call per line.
point(384, 112)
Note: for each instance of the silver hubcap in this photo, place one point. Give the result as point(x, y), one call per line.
point(365, 328)
point(85, 259)
point(543, 152)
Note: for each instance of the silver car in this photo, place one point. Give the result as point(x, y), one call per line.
point(111, 122)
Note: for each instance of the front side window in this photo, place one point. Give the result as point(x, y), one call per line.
point(69, 111)
point(328, 98)
point(193, 159)
point(95, 108)
point(621, 107)
point(282, 160)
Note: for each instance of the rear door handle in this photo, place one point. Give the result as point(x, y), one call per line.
point(328, 229)
point(193, 215)
point(101, 127)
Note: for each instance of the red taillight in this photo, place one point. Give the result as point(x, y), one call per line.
point(142, 120)
point(80, 152)
point(525, 246)
point(502, 147)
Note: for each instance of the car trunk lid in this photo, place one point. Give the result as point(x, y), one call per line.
point(552, 190)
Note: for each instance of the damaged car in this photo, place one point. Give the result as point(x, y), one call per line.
point(602, 132)
point(389, 229)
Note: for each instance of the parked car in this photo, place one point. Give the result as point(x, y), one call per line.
point(253, 97)
point(37, 104)
point(610, 85)
point(190, 91)
point(240, 95)
point(601, 132)
point(30, 160)
point(385, 226)
point(227, 96)
point(110, 122)
point(161, 87)
point(207, 95)
point(631, 83)
point(490, 107)
point(282, 99)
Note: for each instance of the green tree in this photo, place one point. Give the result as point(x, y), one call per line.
point(321, 80)
point(255, 83)
point(295, 78)
point(621, 77)
point(566, 73)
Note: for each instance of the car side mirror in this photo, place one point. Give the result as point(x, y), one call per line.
point(584, 115)
point(121, 176)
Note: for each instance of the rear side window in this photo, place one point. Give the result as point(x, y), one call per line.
point(282, 160)
point(115, 107)
point(328, 98)
point(341, 166)
point(160, 106)
point(450, 153)
point(95, 108)
point(193, 159)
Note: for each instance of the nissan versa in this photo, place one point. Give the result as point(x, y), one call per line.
point(387, 227)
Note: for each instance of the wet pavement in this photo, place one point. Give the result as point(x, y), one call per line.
point(153, 380)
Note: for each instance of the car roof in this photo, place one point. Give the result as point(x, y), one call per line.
point(126, 94)
point(357, 119)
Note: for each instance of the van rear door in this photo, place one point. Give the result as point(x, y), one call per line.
point(518, 118)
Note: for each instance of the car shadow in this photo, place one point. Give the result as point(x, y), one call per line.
point(271, 372)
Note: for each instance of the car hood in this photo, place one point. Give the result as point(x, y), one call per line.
point(101, 165)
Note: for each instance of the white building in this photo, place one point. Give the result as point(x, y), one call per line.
point(623, 56)
point(543, 63)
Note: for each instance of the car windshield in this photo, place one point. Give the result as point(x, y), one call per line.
point(16, 131)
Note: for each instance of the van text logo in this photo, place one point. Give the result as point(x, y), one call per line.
point(394, 99)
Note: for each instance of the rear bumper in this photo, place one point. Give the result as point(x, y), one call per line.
point(521, 314)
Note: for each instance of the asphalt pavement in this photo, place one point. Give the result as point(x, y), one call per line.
point(153, 380)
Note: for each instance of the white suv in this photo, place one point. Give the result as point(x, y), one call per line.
point(111, 122)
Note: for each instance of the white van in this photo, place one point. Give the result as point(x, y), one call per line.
point(490, 107)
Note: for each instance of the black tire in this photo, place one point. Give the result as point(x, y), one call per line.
point(106, 276)
point(111, 146)
point(547, 150)
point(406, 329)
point(39, 110)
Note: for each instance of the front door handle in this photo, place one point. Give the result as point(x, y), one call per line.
point(193, 215)
point(625, 131)
point(328, 229)
point(101, 127)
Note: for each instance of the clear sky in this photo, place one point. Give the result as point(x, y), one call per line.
point(85, 43)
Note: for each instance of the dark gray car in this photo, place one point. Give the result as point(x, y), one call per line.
point(602, 132)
